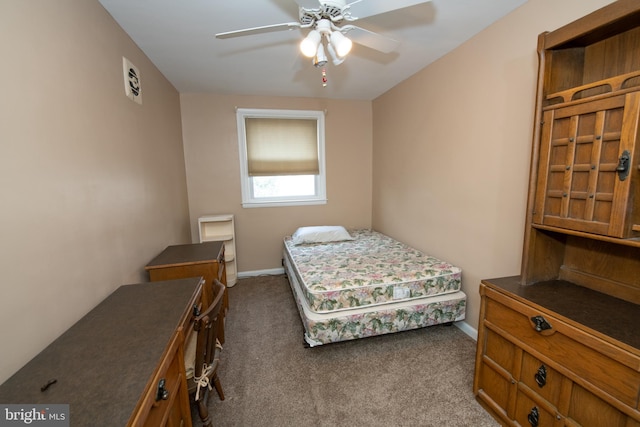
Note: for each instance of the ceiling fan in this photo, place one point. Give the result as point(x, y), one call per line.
point(326, 19)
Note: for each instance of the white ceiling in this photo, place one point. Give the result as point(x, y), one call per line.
point(178, 36)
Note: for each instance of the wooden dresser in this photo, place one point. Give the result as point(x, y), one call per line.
point(559, 345)
point(121, 364)
point(206, 260)
point(557, 354)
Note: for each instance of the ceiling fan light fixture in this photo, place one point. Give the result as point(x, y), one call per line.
point(334, 57)
point(309, 45)
point(320, 60)
point(341, 44)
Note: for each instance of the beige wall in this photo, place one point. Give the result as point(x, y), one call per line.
point(213, 172)
point(452, 147)
point(92, 185)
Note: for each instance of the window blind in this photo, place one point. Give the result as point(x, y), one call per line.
point(281, 146)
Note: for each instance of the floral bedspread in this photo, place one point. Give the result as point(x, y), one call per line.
point(373, 269)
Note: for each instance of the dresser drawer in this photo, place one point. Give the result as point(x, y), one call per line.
point(541, 379)
point(169, 406)
point(530, 412)
point(569, 349)
point(186, 326)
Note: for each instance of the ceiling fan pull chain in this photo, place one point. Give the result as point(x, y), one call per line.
point(324, 77)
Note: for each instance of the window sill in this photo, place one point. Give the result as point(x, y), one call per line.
point(271, 204)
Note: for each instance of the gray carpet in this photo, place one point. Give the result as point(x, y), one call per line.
point(414, 378)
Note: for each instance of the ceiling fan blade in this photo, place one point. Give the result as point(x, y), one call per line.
point(370, 39)
point(259, 30)
point(364, 8)
point(309, 4)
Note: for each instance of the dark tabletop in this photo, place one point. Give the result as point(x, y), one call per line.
point(603, 313)
point(193, 253)
point(103, 362)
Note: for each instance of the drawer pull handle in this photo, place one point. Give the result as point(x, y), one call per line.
point(541, 376)
point(623, 165)
point(163, 393)
point(540, 323)
point(533, 417)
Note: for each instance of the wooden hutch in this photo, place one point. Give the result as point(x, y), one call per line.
point(559, 345)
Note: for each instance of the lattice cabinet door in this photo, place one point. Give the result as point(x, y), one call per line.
point(586, 168)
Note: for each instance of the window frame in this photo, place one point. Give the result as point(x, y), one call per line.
point(246, 181)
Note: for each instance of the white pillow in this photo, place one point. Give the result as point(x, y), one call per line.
point(320, 234)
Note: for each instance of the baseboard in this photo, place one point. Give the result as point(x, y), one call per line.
point(268, 272)
point(468, 329)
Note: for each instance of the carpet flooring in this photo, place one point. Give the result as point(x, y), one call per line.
point(414, 378)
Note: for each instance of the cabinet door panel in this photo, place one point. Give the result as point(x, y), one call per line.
point(579, 186)
point(501, 351)
point(588, 410)
point(494, 387)
point(496, 371)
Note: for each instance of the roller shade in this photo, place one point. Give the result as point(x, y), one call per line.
point(282, 146)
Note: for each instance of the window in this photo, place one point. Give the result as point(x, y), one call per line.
point(281, 157)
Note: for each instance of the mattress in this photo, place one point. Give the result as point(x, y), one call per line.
point(368, 321)
point(371, 270)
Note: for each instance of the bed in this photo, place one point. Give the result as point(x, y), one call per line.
point(361, 283)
